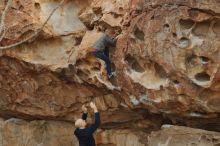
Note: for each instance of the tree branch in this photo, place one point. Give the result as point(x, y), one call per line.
point(36, 33)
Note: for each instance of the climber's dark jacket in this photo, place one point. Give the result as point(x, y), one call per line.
point(84, 136)
point(103, 42)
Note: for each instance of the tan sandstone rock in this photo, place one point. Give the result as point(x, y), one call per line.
point(17, 132)
point(166, 63)
point(182, 136)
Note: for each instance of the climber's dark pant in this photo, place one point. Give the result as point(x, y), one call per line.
point(104, 55)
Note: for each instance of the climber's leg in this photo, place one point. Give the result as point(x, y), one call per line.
point(106, 51)
point(101, 55)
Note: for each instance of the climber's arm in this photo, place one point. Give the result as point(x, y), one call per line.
point(84, 109)
point(110, 42)
point(97, 123)
point(84, 116)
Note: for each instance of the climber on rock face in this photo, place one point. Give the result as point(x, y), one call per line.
point(85, 134)
point(100, 49)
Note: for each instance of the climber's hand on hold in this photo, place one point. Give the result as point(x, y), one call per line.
point(118, 36)
point(93, 106)
point(84, 109)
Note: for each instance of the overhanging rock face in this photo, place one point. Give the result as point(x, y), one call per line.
point(166, 63)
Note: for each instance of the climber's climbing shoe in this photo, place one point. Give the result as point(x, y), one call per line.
point(111, 75)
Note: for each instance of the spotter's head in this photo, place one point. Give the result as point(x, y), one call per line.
point(80, 123)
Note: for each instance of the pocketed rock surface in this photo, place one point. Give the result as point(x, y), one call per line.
point(166, 62)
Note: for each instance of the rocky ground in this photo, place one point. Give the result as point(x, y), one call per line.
point(166, 62)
